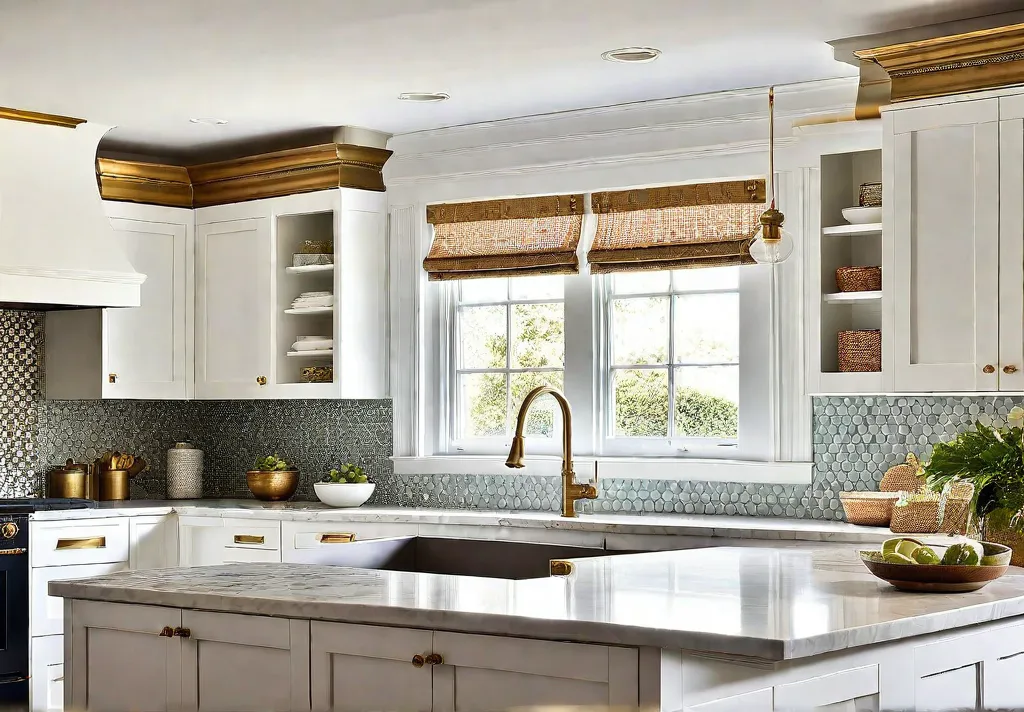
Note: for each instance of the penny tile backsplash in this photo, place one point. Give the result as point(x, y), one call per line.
point(855, 440)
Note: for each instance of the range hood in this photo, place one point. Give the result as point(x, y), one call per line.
point(57, 247)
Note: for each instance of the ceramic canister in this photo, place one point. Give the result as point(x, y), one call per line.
point(184, 472)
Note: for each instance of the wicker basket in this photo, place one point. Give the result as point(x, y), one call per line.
point(870, 195)
point(919, 515)
point(872, 509)
point(905, 477)
point(1007, 537)
point(859, 279)
point(955, 517)
point(860, 351)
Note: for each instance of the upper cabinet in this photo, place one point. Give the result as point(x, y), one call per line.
point(272, 274)
point(142, 352)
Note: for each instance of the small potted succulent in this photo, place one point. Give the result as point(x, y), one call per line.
point(347, 486)
point(272, 479)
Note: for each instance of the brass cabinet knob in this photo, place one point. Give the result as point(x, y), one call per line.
point(989, 368)
point(112, 378)
point(167, 632)
point(435, 659)
point(417, 661)
point(262, 380)
point(9, 530)
point(1009, 369)
point(183, 632)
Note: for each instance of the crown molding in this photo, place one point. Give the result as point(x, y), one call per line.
point(35, 117)
point(970, 61)
point(267, 175)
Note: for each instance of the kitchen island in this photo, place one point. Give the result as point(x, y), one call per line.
point(710, 630)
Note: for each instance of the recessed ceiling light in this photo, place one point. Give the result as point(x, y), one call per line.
point(208, 121)
point(424, 97)
point(633, 55)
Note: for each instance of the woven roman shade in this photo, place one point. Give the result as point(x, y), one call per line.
point(676, 227)
point(505, 238)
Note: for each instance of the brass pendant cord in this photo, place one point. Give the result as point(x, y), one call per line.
point(771, 143)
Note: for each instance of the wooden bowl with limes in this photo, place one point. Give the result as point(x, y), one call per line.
point(941, 578)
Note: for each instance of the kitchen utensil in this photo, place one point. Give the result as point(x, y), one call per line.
point(936, 577)
point(139, 466)
point(872, 509)
point(184, 472)
point(861, 216)
point(272, 486)
point(114, 485)
point(343, 494)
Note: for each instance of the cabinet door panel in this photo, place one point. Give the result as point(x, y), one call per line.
point(950, 690)
point(756, 701)
point(145, 348)
point(46, 685)
point(359, 667)
point(1004, 683)
point(1011, 255)
point(233, 308)
point(153, 542)
point(946, 255)
point(46, 612)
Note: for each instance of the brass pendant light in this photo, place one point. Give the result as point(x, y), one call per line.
point(772, 244)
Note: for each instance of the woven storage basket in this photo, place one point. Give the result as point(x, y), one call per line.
point(860, 351)
point(1010, 538)
point(859, 279)
point(870, 195)
point(905, 477)
point(917, 516)
point(955, 517)
point(872, 509)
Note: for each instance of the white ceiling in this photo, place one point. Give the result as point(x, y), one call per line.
point(271, 66)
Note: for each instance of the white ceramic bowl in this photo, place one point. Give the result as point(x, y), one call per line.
point(343, 494)
point(859, 216)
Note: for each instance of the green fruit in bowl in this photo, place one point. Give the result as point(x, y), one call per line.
point(348, 473)
point(961, 555)
point(925, 555)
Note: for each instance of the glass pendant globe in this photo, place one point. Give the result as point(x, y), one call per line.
point(773, 251)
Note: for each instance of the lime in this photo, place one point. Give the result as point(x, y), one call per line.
point(889, 545)
point(961, 555)
point(907, 547)
point(894, 557)
point(925, 555)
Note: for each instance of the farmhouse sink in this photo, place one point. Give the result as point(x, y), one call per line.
point(461, 557)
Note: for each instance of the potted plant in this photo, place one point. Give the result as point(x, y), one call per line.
point(347, 486)
point(992, 459)
point(272, 478)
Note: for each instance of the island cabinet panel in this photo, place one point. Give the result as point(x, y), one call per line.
point(360, 667)
point(233, 663)
point(754, 701)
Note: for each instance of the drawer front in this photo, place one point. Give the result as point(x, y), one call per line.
point(316, 542)
point(245, 534)
point(237, 555)
point(46, 684)
point(89, 542)
point(46, 612)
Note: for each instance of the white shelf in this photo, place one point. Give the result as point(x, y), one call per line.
point(853, 230)
point(310, 310)
point(843, 383)
point(844, 297)
point(309, 269)
point(312, 353)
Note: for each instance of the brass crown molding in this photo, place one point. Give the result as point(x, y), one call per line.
point(35, 117)
point(268, 175)
point(971, 61)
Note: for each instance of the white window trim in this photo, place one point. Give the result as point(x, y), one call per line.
point(417, 446)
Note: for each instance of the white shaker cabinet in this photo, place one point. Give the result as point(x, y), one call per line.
point(233, 335)
point(942, 174)
point(1011, 243)
point(145, 352)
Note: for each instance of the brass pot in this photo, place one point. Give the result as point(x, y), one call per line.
point(114, 485)
point(272, 486)
point(68, 482)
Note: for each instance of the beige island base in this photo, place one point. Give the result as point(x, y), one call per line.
point(753, 629)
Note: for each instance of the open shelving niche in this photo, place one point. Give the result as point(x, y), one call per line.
point(292, 231)
point(841, 245)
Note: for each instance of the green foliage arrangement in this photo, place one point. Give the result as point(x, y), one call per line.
point(347, 473)
point(271, 463)
point(992, 458)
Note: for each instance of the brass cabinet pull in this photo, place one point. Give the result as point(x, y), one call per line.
point(417, 661)
point(561, 568)
point(112, 378)
point(13, 552)
point(262, 380)
point(183, 632)
point(989, 368)
point(249, 539)
point(434, 659)
point(1009, 369)
point(167, 632)
point(89, 542)
point(338, 538)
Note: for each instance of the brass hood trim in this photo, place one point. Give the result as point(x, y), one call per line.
point(36, 117)
point(268, 175)
point(971, 61)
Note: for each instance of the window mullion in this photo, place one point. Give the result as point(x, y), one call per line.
point(508, 365)
point(671, 366)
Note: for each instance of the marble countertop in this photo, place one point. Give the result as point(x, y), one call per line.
point(762, 603)
point(734, 527)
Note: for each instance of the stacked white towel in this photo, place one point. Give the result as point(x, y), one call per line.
point(313, 343)
point(307, 300)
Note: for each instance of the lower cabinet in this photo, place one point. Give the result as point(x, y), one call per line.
point(126, 657)
point(210, 541)
point(46, 676)
point(422, 670)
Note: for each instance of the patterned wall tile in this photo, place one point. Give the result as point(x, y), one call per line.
point(21, 358)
